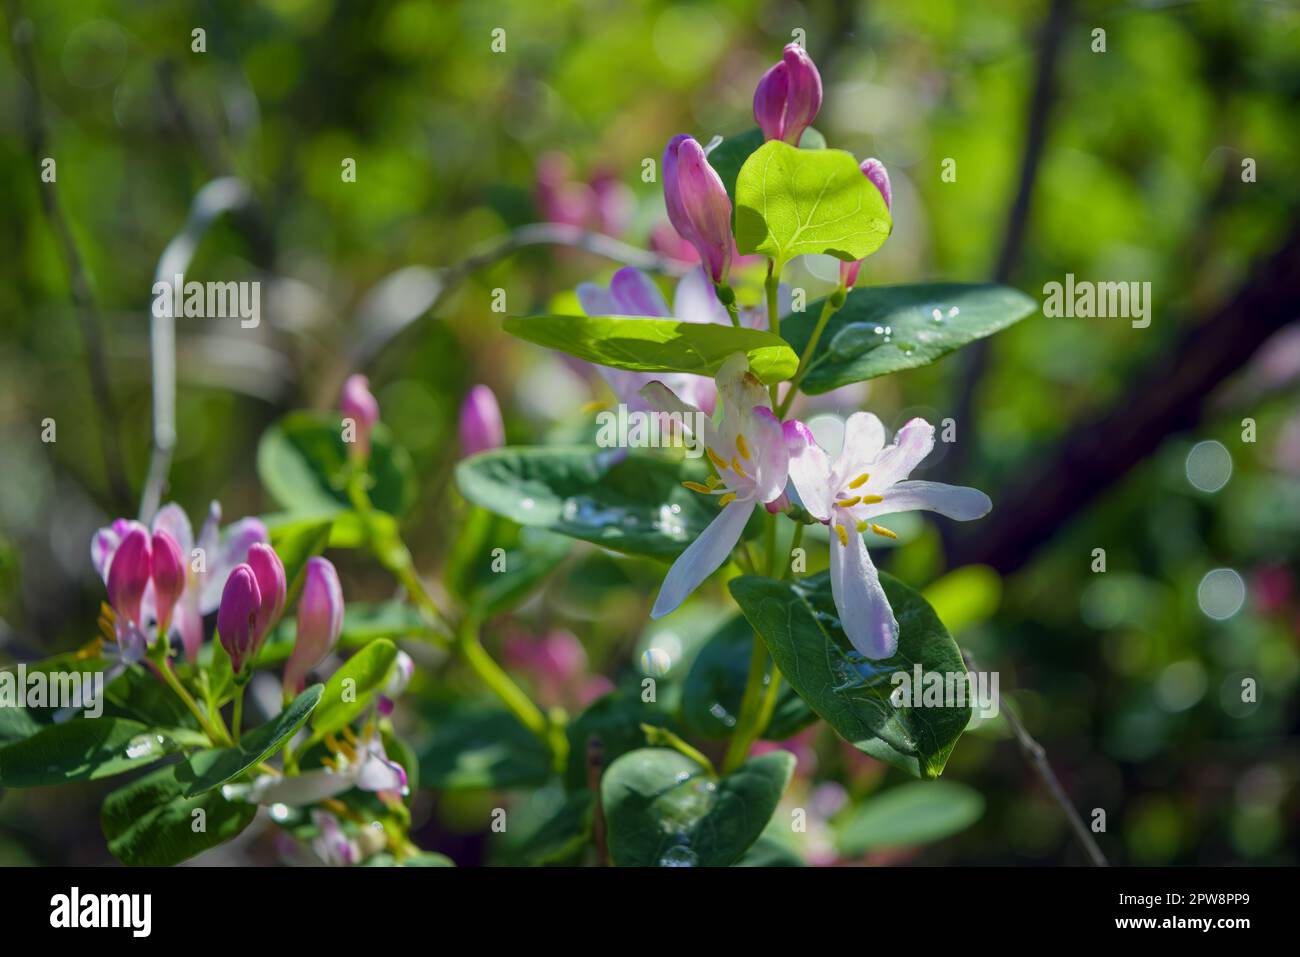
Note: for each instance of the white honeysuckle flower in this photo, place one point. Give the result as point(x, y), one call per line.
point(747, 448)
point(357, 763)
point(869, 479)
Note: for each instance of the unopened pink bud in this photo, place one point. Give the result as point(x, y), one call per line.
point(271, 582)
point(481, 427)
point(875, 171)
point(241, 601)
point(358, 404)
point(320, 621)
point(698, 205)
point(168, 577)
point(788, 96)
point(128, 575)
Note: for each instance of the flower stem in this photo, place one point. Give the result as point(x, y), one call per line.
point(833, 302)
point(169, 678)
point(771, 285)
point(237, 717)
point(751, 705)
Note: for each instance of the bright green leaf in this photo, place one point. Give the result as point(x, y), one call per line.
point(210, 769)
point(915, 813)
point(81, 749)
point(351, 688)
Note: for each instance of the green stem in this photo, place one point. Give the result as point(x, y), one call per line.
point(751, 706)
point(237, 717)
point(833, 302)
point(491, 674)
point(794, 543)
point(169, 678)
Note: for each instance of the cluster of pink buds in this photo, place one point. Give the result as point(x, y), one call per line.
point(320, 622)
point(251, 603)
point(142, 560)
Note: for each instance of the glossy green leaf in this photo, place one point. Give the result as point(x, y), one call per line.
point(16, 725)
point(799, 622)
point(481, 746)
point(642, 344)
point(616, 723)
point(915, 813)
point(883, 329)
point(301, 461)
point(715, 686)
point(350, 689)
point(152, 823)
point(664, 810)
point(792, 202)
point(490, 581)
point(729, 156)
point(564, 834)
point(210, 769)
point(81, 749)
point(629, 502)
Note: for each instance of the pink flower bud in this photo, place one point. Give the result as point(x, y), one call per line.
point(357, 403)
point(875, 171)
point(168, 577)
point(480, 422)
point(241, 601)
point(320, 621)
point(271, 582)
point(788, 96)
point(698, 205)
point(128, 575)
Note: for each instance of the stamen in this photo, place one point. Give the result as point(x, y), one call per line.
point(872, 499)
point(863, 526)
point(715, 458)
point(727, 499)
point(735, 466)
point(881, 530)
point(697, 487)
point(849, 502)
point(713, 481)
point(844, 536)
point(742, 447)
point(860, 481)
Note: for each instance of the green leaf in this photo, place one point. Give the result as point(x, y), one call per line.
point(629, 502)
point(350, 689)
point(664, 810)
point(492, 582)
point(210, 769)
point(642, 344)
point(81, 749)
point(302, 459)
point(152, 823)
point(882, 329)
point(800, 624)
point(915, 813)
point(715, 685)
point(16, 724)
point(563, 835)
point(792, 202)
point(616, 721)
point(481, 746)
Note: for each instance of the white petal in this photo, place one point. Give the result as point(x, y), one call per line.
point(809, 469)
point(895, 463)
point(635, 294)
point(171, 518)
point(771, 461)
point(299, 789)
point(952, 501)
point(663, 399)
point(865, 615)
point(702, 557)
point(695, 300)
point(596, 300)
point(864, 437)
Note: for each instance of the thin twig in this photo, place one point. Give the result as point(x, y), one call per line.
point(1036, 755)
point(22, 35)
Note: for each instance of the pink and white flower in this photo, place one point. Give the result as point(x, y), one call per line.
point(868, 480)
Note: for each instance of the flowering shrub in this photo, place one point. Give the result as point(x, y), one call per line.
point(727, 372)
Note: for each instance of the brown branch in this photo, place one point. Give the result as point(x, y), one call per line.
point(1169, 396)
point(22, 34)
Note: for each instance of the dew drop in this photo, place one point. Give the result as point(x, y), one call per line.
point(679, 855)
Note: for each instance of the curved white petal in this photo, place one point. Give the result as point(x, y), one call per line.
point(171, 518)
point(661, 398)
point(596, 300)
point(702, 557)
point(635, 294)
point(865, 615)
point(299, 789)
point(864, 437)
point(895, 463)
point(695, 300)
point(770, 460)
point(952, 501)
point(809, 469)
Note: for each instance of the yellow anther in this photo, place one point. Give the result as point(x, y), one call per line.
point(713, 481)
point(735, 466)
point(727, 499)
point(860, 481)
point(715, 458)
point(844, 536)
point(872, 499)
point(849, 502)
point(697, 487)
point(742, 447)
point(863, 526)
point(881, 530)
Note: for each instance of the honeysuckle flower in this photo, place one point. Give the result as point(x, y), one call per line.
point(398, 678)
point(129, 575)
point(357, 762)
point(320, 621)
point(331, 843)
point(698, 205)
point(358, 404)
point(788, 96)
point(167, 576)
point(241, 604)
point(875, 171)
point(868, 480)
point(271, 582)
point(748, 451)
point(481, 427)
point(207, 564)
